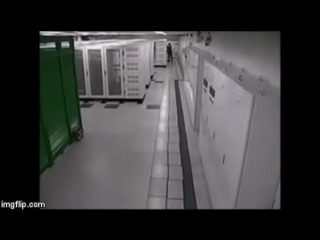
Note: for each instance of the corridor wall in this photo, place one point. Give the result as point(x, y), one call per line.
point(239, 137)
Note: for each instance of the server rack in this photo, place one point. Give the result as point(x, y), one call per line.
point(160, 55)
point(133, 71)
point(120, 70)
point(113, 72)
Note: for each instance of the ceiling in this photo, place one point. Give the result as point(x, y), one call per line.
point(86, 33)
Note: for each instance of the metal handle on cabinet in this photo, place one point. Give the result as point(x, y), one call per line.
point(105, 72)
point(87, 72)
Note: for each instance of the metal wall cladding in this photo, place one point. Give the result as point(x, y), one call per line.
point(95, 70)
point(227, 119)
point(80, 72)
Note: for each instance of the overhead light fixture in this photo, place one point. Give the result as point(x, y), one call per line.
point(160, 33)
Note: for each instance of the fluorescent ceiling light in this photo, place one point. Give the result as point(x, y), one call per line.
point(161, 33)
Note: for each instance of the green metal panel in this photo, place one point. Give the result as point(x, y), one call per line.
point(45, 159)
point(52, 101)
point(59, 100)
point(70, 89)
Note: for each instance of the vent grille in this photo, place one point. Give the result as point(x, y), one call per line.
point(133, 78)
point(133, 64)
point(132, 55)
point(132, 68)
point(133, 94)
point(132, 49)
point(133, 89)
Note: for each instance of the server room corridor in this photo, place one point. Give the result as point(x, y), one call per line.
point(123, 128)
point(128, 159)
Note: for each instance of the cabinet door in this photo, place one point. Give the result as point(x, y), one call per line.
point(231, 123)
point(44, 151)
point(95, 73)
point(229, 113)
point(114, 73)
point(70, 90)
point(53, 110)
point(80, 71)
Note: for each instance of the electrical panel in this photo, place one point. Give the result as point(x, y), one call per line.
point(230, 141)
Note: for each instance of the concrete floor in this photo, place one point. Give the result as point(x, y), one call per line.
point(113, 166)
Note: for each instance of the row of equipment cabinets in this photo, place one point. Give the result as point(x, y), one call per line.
point(240, 141)
point(239, 134)
point(113, 69)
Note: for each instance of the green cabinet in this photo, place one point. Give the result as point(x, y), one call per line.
point(45, 160)
point(60, 116)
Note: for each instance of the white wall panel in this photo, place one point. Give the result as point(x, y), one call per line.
point(229, 113)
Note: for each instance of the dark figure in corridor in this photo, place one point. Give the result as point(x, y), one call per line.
point(169, 52)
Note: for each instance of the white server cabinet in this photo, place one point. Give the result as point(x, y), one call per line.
point(113, 72)
point(160, 55)
point(90, 71)
point(146, 59)
point(134, 71)
point(96, 72)
point(239, 141)
point(81, 72)
point(151, 57)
